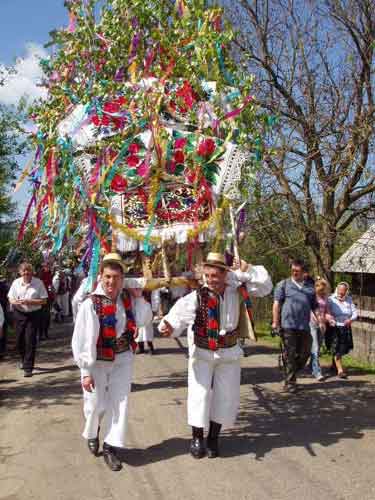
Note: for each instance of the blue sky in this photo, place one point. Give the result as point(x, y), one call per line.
point(27, 21)
point(24, 28)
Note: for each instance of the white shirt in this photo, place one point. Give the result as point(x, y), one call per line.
point(80, 295)
point(342, 310)
point(182, 315)
point(87, 327)
point(33, 290)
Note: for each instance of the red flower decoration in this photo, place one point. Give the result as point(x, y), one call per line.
point(188, 95)
point(111, 107)
point(213, 324)
point(109, 332)
point(190, 176)
point(206, 147)
point(172, 167)
point(212, 344)
point(121, 100)
point(118, 122)
point(110, 309)
point(118, 184)
point(180, 143)
point(131, 324)
point(96, 120)
point(179, 157)
point(106, 121)
point(132, 160)
point(134, 148)
point(108, 353)
point(127, 303)
point(212, 302)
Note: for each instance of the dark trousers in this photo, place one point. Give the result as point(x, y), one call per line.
point(44, 320)
point(3, 339)
point(297, 349)
point(26, 325)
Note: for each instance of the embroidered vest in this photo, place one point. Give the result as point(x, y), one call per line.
point(108, 344)
point(207, 322)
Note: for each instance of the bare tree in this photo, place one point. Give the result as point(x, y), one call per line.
point(314, 68)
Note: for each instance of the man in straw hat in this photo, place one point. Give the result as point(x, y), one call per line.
point(103, 344)
point(214, 315)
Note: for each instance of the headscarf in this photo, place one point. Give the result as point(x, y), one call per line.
point(342, 283)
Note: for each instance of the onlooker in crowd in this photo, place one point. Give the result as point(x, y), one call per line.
point(318, 326)
point(339, 339)
point(27, 294)
point(4, 305)
point(294, 300)
point(45, 275)
point(146, 332)
point(61, 288)
point(1, 322)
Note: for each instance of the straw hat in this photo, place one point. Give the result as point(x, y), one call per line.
point(114, 258)
point(216, 260)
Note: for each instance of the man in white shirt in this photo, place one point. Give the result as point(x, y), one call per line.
point(103, 345)
point(213, 315)
point(27, 294)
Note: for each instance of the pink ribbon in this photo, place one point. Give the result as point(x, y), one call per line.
point(21, 232)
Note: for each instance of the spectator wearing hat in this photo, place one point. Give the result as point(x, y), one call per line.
point(215, 314)
point(103, 344)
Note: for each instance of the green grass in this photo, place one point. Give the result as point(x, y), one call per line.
point(263, 330)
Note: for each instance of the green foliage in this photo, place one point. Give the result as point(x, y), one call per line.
point(11, 145)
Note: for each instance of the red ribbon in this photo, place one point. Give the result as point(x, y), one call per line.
point(21, 232)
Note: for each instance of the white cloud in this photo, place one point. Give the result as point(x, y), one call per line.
point(23, 78)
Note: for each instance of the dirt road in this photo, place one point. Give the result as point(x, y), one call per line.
point(317, 445)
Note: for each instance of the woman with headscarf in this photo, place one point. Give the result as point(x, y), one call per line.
point(339, 339)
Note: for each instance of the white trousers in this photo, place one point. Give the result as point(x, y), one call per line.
point(146, 333)
point(109, 400)
point(63, 301)
point(214, 386)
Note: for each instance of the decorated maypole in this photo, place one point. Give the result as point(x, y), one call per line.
point(145, 133)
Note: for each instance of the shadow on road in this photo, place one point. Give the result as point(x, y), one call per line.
point(165, 450)
point(318, 415)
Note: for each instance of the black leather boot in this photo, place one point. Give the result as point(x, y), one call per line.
point(141, 347)
point(197, 449)
point(93, 444)
point(110, 458)
point(213, 440)
point(151, 349)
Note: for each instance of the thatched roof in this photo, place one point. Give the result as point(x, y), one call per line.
point(360, 258)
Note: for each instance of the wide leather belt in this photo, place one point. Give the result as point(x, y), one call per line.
point(224, 341)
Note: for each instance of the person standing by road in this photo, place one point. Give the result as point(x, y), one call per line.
point(4, 288)
point(294, 301)
point(318, 327)
point(27, 295)
point(339, 338)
